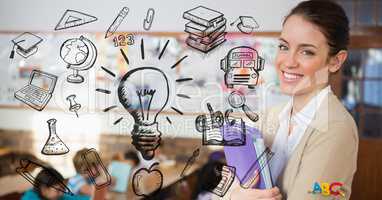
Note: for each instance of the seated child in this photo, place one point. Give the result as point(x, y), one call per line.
point(80, 183)
point(45, 187)
point(121, 168)
point(131, 158)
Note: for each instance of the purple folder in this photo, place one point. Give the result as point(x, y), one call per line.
point(246, 160)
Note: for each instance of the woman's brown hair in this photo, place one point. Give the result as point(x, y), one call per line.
point(331, 20)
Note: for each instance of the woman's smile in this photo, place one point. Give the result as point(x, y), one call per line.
point(291, 77)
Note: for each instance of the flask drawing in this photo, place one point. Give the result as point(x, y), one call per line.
point(54, 145)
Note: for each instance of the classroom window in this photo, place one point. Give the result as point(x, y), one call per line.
point(362, 89)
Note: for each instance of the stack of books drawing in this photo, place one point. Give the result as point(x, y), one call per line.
point(206, 28)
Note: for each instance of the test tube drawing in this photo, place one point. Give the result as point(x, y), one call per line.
point(96, 170)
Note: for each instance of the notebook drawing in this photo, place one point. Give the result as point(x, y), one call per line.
point(227, 174)
point(204, 31)
point(206, 28)
point(203, 47)
point(204, 16)
point(210, 38)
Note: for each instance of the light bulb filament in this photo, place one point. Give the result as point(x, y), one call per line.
point(145, 98)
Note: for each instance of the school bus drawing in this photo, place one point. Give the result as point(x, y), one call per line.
point(242, 66)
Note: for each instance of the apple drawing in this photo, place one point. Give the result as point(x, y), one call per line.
point(147, 181)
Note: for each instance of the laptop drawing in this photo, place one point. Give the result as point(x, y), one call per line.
point(38, 91)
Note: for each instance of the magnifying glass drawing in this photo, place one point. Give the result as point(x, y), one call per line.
point(237, 100)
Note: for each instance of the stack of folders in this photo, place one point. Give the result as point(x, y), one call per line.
point(264, 155)
point(206, 28)
point(251, 161)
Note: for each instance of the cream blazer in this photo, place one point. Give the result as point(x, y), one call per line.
point(327, 152)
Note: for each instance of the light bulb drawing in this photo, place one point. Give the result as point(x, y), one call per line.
point(145, 125)
point(144, 93)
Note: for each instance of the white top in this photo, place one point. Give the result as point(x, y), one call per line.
point(284, 145)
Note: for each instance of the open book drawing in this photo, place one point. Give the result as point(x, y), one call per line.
point(228, 135)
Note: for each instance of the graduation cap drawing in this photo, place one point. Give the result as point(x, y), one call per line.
point(25, 45)
point(246, 24)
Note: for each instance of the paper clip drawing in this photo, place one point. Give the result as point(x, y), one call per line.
point(117, 22)
point(246, 25)
point(74, 106)
point(227, 174)
point(54, 145)
point(72, 18)
point(147, 181)
point(79, 54)
point(148, 21)
point(206, 28)
point(190, 162)
point(97, 172)
point(25, 171)
point(25, 45)
point(214, 133)
point(242, 66)
point(39, 90)
point(237, 100)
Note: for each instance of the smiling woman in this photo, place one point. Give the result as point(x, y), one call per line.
point(316, 139)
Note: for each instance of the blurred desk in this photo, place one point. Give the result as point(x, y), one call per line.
point(171, 174)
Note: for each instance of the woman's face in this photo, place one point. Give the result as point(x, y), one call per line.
point(301, 61)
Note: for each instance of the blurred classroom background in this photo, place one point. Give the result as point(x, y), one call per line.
point(24, 131)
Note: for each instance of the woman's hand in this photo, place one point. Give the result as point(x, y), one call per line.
point(256, 194)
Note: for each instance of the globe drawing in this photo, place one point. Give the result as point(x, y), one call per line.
point(74, 51)
point(79, 54)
